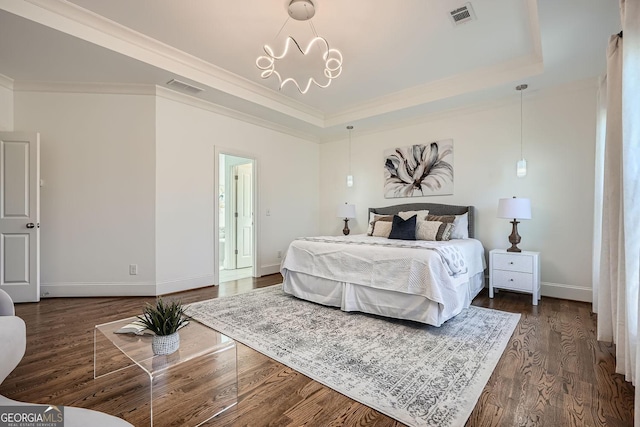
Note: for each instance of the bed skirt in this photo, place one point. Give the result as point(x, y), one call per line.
point(353, 297)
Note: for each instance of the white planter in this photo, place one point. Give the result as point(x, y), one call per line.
point(165, 344)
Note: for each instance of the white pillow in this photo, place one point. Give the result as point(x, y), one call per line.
point(461, 227)
point(421, 215)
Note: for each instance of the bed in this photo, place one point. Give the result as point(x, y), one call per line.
point(424, 281)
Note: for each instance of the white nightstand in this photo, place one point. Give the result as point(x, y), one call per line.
point(516, 271)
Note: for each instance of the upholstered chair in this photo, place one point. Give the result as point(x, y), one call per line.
point(13, 336)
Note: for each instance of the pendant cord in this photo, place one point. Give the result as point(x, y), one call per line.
point(281, 28)
point(521, 150)
point(350, 151)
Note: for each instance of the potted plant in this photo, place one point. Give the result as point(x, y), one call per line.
point(164, 319)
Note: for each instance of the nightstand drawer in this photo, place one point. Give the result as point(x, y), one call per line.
point(522, 263)
point(513, 280)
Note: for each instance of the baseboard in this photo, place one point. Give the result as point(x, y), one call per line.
point(265, 270)
point(571, 292)
point(59, 290)
point(171, 286)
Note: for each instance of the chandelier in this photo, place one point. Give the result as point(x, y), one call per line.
point(301, 10)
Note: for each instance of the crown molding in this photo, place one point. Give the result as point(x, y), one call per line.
point(564, 90)
point(169, 94)
point(95, 88)
point(449, 87)
point(81, 23)
point(6, 82)
point(71, 19)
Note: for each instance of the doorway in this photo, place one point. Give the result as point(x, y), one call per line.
point(236, 217)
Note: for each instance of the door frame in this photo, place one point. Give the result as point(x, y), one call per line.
point(218, 152)
point(237, 193)
point(27, 291)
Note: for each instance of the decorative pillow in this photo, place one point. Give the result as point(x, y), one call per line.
point(460, 224)
point(434, 231)
point(422, 215)
point(373, 218)
point(442, 218)
point(403, 229)
point(370, 228)
point(461, 227)
point(381, 229)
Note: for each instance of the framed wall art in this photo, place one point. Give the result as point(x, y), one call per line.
point(419, 170)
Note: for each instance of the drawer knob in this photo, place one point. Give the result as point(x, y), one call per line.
point(511, 280)
point(511, 263)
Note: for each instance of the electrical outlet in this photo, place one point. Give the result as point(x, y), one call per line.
point(279, 254)
point(133, 269)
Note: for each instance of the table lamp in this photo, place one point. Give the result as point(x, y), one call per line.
point(346, 211)
point(514, 208)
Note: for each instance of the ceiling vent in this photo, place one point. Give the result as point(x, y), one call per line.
point(185, 87)
point(462, 14)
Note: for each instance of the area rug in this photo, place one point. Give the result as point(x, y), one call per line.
point(418, 374)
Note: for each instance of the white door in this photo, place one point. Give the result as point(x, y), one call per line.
point(244, 215)
point(20, 215)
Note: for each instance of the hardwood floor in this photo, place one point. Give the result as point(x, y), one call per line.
point(553, 372)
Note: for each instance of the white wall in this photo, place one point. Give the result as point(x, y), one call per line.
point(98, 198)
point(559, 144)
point(6, 107)
point(287, 168)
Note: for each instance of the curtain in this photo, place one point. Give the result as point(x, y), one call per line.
point(617, 283)
point(601, 130)
point(631, 179)
point(610, 290)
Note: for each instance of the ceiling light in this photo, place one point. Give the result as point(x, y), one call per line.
point(349, 176)
point(301, 10)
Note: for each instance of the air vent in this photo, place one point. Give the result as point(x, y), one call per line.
point(462, 14)
point(185, 87)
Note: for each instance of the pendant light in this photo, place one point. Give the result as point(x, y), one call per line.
point(521, 166)
point(349, 176)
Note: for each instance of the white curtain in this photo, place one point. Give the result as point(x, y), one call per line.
point(618, 279)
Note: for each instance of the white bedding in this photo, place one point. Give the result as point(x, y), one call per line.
point(355, 265)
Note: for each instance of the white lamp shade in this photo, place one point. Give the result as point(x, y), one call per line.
point(346, 211)
point(515, 208)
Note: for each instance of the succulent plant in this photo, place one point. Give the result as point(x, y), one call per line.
point(164, 318)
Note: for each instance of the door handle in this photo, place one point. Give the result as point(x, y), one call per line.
point(31, 225)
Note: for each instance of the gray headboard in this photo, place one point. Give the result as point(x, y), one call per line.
point(434, 209)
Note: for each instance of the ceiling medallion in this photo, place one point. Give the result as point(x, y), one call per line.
point(301, 10)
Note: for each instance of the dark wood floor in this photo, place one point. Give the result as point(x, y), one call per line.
point(553, 372)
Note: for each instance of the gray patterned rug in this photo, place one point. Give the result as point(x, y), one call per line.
point(418, 374)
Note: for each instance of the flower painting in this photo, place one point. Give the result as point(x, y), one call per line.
point(419, 170)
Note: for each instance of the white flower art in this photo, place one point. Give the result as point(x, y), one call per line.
point(419, 170)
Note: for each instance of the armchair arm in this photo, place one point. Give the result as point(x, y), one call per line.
point(13, 336)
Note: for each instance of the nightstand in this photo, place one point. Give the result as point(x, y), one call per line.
point(516, 271)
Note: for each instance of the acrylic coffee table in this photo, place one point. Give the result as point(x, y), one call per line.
point(187, 388)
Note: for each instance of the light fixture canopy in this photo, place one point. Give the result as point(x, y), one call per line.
point(521, 166)
point(301, 10)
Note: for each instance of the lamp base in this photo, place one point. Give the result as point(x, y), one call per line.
point(514, 237)
point(346, 230)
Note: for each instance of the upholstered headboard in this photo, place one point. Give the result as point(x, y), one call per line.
point(434, 209)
